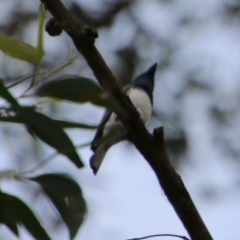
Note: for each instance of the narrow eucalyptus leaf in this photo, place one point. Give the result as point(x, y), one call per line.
point(18, 49)
point(48, 131)
point(7, 174)
point(69, 124)
point(14, 211)
point(6, 218)
point(66, 195)
point(61, 123)
point(4, 93)
point(77, 89)
point(41, 20)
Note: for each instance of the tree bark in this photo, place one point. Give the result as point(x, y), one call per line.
point(151, 147)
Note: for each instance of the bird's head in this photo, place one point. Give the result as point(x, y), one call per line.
point(146, 79)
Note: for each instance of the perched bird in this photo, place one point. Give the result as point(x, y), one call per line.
point(140, 93)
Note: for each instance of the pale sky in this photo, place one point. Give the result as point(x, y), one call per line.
point(124, 199)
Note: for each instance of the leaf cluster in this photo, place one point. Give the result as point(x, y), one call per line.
point(64, 193)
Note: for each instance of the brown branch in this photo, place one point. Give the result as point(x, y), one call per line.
point(152, 148)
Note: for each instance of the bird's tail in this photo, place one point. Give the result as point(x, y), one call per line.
point(97, 158)
point(99, 154)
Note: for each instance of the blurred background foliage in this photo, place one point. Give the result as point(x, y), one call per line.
point(197, 90)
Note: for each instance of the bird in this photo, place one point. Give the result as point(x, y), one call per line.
point(111, 130)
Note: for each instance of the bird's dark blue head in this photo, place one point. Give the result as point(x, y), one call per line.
point(146, 80)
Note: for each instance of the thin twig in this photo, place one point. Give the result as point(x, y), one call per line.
point(46, 161)
point(35, 73)
point(161, 235)
point(38, 166)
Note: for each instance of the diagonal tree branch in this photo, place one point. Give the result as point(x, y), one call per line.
point(151, 147)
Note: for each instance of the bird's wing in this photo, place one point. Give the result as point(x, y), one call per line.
point(105, 118)
point(100, 129)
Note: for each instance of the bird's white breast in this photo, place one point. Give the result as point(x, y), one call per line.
point(142, 102)
point(143, 105)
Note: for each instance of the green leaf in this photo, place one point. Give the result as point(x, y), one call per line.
point(77, 89)
point(12, 119)
point(41, 20)
point(49, 132)
point(8, 219)
point(66, 195)
point(4, 93)
point(10, 223)
point(13, 211)
point(7, 174)
point(23, 51)
point(69, 124)
point(18, 49)
point(61, 123)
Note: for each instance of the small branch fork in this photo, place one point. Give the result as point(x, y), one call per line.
point(151, 147)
